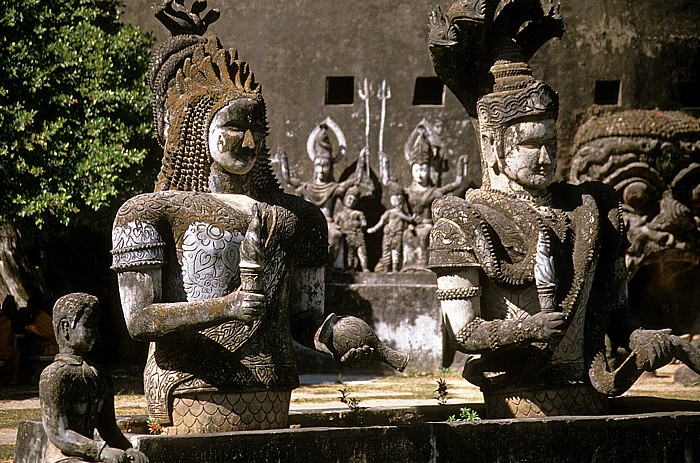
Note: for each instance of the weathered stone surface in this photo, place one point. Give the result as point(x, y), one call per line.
point(654, 435)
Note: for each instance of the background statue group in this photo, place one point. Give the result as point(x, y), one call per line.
point(405, 225)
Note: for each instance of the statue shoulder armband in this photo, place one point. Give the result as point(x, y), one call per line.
point(136, 245)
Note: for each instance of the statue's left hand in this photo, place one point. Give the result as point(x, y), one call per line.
point(654, 346)
point(358, 356)
point(136, 456)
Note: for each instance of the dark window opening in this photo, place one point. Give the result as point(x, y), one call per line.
point(340, 90)
point(689, 94)
point(428, 91)
point(607, 92)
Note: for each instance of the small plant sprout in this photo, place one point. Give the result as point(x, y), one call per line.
point(441, 392)
point(468, 414)
point(353, 403)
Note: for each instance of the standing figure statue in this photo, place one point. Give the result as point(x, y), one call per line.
point(352, 224)
point(76, 395)
point(422, 151)
point(218, 268)
point(531, 273)
point(323, 191)
point(394, 222)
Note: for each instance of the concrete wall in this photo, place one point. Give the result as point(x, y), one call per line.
point(649, 47)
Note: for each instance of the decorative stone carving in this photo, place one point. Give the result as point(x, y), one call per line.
point(393, 222)
point(218, 268)
point(352, 224)
point(651, 159)
point(531, 272)
point(76, 395)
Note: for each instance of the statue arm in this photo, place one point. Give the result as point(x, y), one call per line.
point(378, 226)
point(107, 421)
point(459, 178)
point(459, 293)
point(149, 319)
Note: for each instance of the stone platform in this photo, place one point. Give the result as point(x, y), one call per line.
point(659, 430)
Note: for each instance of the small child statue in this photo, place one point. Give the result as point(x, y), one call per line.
point(77, 396)
point(352, 223)
point(394, 221)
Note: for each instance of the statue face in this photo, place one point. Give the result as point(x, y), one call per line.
point(420, 173)
point(322, 169)
point(530, 153)
point(80, 335)
point(236, 135)
point(350, 200)
point(396, 200)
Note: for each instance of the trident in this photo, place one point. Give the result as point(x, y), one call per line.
point(383, 93)
point(365, 92)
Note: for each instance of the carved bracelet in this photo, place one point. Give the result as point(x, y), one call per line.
point(458, 293)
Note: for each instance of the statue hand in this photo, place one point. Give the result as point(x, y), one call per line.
point(357, 356)
point(136, 456)
point(245, 306)
point(112, 455)
point(654, 346)
point(544, 326)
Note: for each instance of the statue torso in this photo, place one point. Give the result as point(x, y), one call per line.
point(194, 238)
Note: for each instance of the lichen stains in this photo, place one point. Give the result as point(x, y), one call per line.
point(610, 34)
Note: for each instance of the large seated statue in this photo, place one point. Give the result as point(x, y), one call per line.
point(531, 272)
point(218, 269)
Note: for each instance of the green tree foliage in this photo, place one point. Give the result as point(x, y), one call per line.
point(75, 122)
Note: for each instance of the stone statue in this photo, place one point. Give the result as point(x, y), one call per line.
point(219, 268)
point(531, 272)
point(422, 151)
point(651, 158)
point(323, 191)
point(394, 222)
point(352, 224)
point(76, 395)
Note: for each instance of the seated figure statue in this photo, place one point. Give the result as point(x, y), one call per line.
point(531, 272)
point(219, 268)
point(76, 395)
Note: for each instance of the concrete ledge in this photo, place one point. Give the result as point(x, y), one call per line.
point(645, 437)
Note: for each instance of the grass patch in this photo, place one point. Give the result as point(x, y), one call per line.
point(7, 453)
point(11, 418)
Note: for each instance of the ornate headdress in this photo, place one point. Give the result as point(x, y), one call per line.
point(193, 77)
point(480, 50)
point(418, 148)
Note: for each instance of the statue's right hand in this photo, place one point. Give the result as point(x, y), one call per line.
point(544, 326)
point(112, 455)
point(245, 306)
